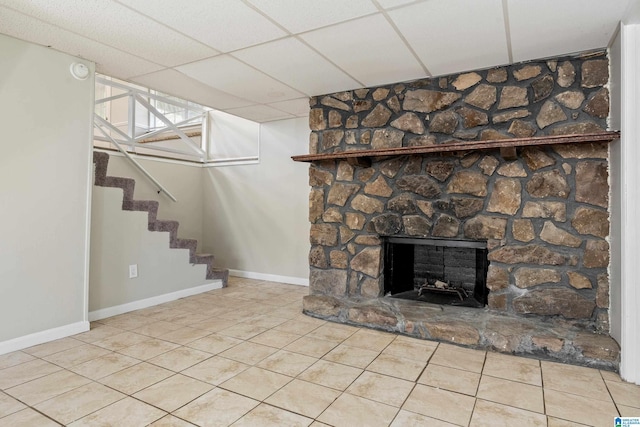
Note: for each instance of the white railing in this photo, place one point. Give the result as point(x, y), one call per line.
point(138, 99)
point(135, 140)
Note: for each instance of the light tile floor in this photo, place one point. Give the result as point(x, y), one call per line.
point(246, 356)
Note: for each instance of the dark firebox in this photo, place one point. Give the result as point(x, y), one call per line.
point(438, 271)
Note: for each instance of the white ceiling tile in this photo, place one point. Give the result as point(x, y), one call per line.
point(291, 61)
point(297, 107)
point(108, 60)
point(259, 113)
point(232, 76)
point(455, 35)
point(117, 26)
point(304, 15)
point(368, 49)
point(223, 24)
point(550, 28)
point(175, 83)
point(389, 4)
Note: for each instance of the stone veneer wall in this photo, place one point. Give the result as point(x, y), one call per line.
point(543, 215)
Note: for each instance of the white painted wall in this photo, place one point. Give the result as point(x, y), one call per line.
point(45, 169)
point(256, 215)
point(626, 251)
point(121, 238)
point(232, 137)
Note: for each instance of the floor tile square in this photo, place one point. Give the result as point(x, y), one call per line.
point(24, 372)
point(266, 321)
point(47, 387)
point(397, 367)
point(122, 340)
point(188, 318)
point(513, 368)
point(125, 412)
point(625, 393)
point(104, 365)
point(492, 414)
point(557, 422)
point(352, 356)
point(440, 404)
point(411, 419)
point(329, 374)
point(79, 402)
point(185, 335)
point(610, 376)
point(76, 355)
point(580, 409)
point(303, 398)
point(15, 358)
point(333, 332)
point(174, 392)
point(214, 324)
point(275, 338)
point(127, 321)
point(411, 348)
point(575, 380)
point(457, 380)
point(249, 353)
point(297, 327)
point(354, 411)
point(268, 416)
point(214, 343)
point(157, 328)
point(627, 411)
point(459, 358)
point(256, 383)
point(216, 408)
point(148, 349)
point(179, 359)
point(27, 418)
point(311, 346)
point(511, 393)
point(9, 405)
point(242, 331)
point(171, 421)
point(215, 370)
point(369, 340)
point(52, 347)
point(287, 363)
point(381, 388)
point(135, 378)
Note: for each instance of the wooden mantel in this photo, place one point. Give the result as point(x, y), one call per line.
point(507, 147)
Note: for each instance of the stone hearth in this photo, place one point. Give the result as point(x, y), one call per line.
point(553, 338)
point(542, 213)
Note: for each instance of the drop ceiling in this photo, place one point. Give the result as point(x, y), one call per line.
point(262, 59)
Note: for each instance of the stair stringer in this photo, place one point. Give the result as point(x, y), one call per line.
point(101, 179)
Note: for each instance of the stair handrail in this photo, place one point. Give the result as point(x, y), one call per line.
point(161, 188)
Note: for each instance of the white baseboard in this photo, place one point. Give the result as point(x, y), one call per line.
point(103, 313)
point(302, 281)
point(36, 338)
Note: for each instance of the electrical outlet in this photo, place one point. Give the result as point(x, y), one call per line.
point(133, 271)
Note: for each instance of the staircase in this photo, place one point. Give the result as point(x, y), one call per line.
point(101, 161)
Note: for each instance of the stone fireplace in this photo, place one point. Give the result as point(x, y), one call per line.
point(539, 212)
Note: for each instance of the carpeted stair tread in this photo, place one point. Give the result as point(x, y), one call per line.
point(101, 161)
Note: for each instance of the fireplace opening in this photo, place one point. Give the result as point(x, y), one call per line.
point(451, 272)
